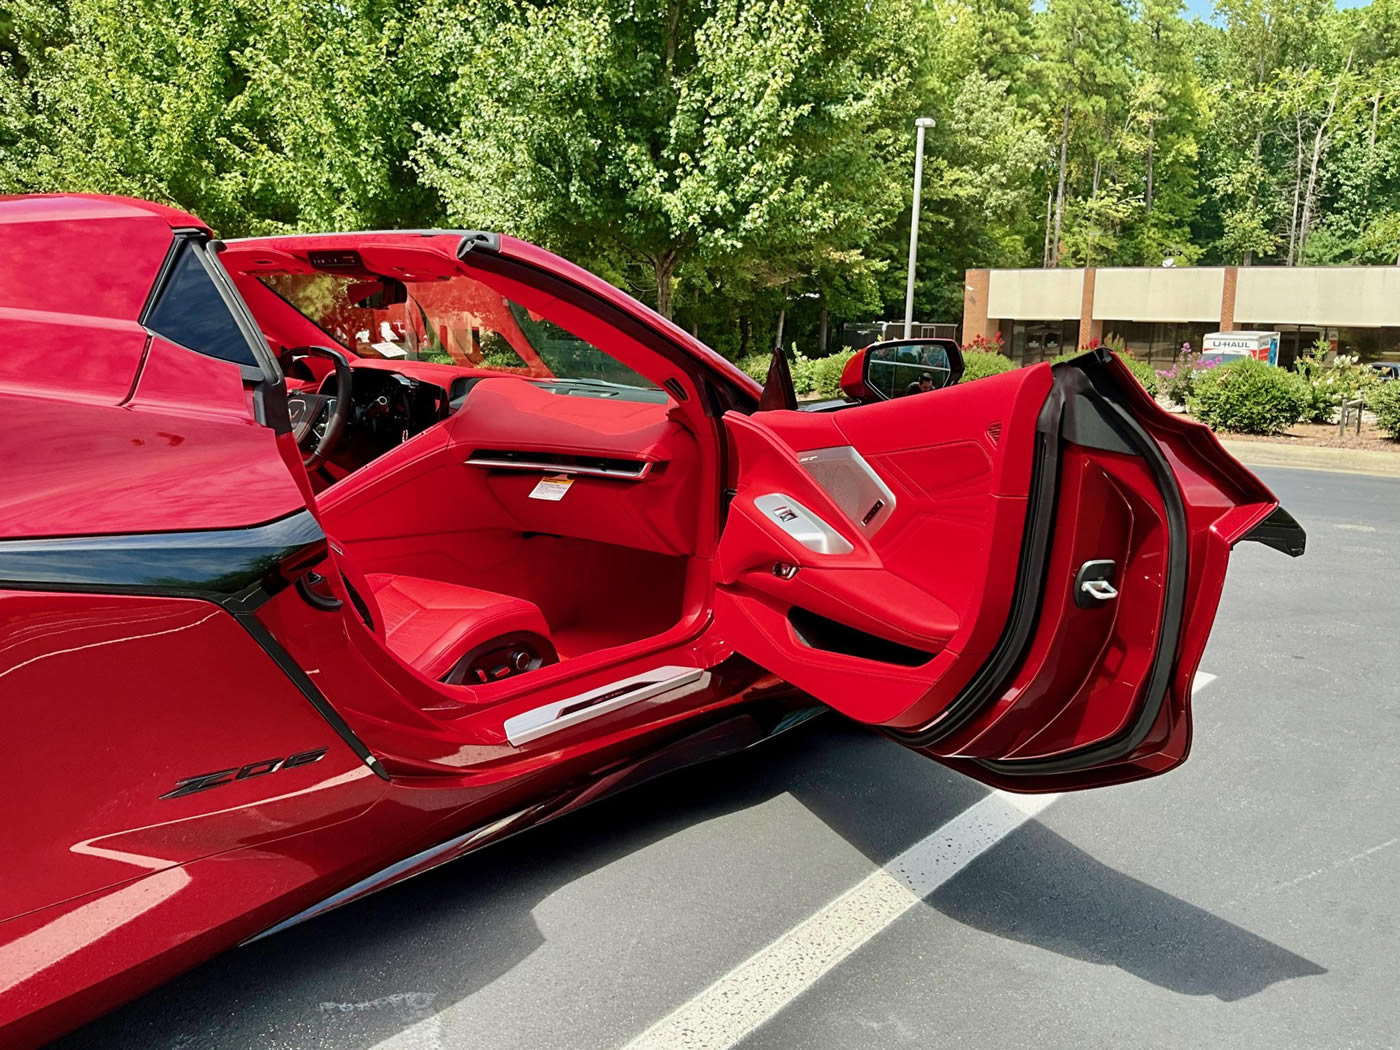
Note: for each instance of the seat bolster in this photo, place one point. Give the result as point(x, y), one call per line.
point(431, 624)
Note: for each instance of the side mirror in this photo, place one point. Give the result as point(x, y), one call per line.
point(378, 294)
point(902, 367)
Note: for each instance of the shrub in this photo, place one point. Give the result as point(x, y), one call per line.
point(1178, 383)
point(820, 375)
point(980, 344)
point(1384, 400)
point(755, 366)
point(982, 363)
point(1331, 384)
point(1250, 397)
point(826, 373)
point(803, 379)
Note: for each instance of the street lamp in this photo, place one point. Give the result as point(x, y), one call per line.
point(923, 124)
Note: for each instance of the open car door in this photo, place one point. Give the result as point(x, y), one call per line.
point(1015, 577)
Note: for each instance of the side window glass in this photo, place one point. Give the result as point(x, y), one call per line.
point(191, 312)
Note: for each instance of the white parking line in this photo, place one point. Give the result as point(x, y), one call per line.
point(756, 990)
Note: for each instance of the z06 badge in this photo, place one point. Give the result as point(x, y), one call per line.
point(204, 781)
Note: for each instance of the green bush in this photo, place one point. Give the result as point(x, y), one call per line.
point(826, 373)
point(1249, 397)
point(821, 375)
point(1384, 400)
point(981, 363)
point(755, 366)
point(803, 378)
point(1331, 384)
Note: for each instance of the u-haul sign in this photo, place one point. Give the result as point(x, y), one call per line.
point(1262, 346)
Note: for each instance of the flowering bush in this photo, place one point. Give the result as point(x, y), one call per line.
point(1178, 382)
point(1332, 383)
point(980, 344)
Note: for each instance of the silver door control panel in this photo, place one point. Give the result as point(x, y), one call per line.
point(802, 524)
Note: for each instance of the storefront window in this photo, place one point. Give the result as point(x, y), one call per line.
point(1030, 342)
point(1159, 342)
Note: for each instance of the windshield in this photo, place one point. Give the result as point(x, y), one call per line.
point(456, 321)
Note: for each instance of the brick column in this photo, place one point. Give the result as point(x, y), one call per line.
point(975, 321)
point(1227, 299)
point(1089, 329)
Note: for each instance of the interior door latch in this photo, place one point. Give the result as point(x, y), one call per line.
point(1093, 583)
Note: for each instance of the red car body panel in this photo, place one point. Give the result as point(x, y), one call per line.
point(254, 737)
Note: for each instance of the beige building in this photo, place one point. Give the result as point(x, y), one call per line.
point(1042, 313)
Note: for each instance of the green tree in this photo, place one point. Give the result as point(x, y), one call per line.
point(745, 139)
point(1083, 46)
point(258, 115)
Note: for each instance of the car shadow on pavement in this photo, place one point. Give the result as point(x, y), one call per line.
point(1043, 890)
point(366, 972)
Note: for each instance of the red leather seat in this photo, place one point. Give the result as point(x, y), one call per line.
point(432, 625)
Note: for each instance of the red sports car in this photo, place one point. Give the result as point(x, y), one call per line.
point(325, 559)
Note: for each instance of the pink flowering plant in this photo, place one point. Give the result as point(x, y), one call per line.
point(1179, 381)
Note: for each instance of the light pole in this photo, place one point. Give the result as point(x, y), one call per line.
point(923, 124)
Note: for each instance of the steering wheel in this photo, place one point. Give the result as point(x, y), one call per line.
point(318, 420)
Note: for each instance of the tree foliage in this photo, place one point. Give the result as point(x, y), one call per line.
point(741, 164)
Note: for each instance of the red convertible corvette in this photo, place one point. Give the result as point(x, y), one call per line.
point(325, 559)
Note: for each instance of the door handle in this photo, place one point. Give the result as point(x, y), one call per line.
point(307, 583)
point(1099, 590)
point(1093, 584)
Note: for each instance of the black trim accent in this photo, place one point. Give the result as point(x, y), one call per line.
point(218, 565)
point(832, 636)
point(306, 588)
point(480, 241)
point(167, 266)
point(1085, 424)
point(1281, 531)
point(290, 668)
point(270, 389)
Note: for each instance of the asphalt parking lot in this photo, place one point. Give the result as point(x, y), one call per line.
point(1251, 898)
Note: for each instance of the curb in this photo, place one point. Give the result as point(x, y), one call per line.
point(1314, 457)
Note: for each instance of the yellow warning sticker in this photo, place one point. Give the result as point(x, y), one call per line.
point(552, 487)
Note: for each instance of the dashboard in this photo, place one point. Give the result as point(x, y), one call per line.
point(389, 406)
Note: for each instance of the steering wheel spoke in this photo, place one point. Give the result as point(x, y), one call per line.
point(318, 420)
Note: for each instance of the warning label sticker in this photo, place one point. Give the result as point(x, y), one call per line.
point(552, 487)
